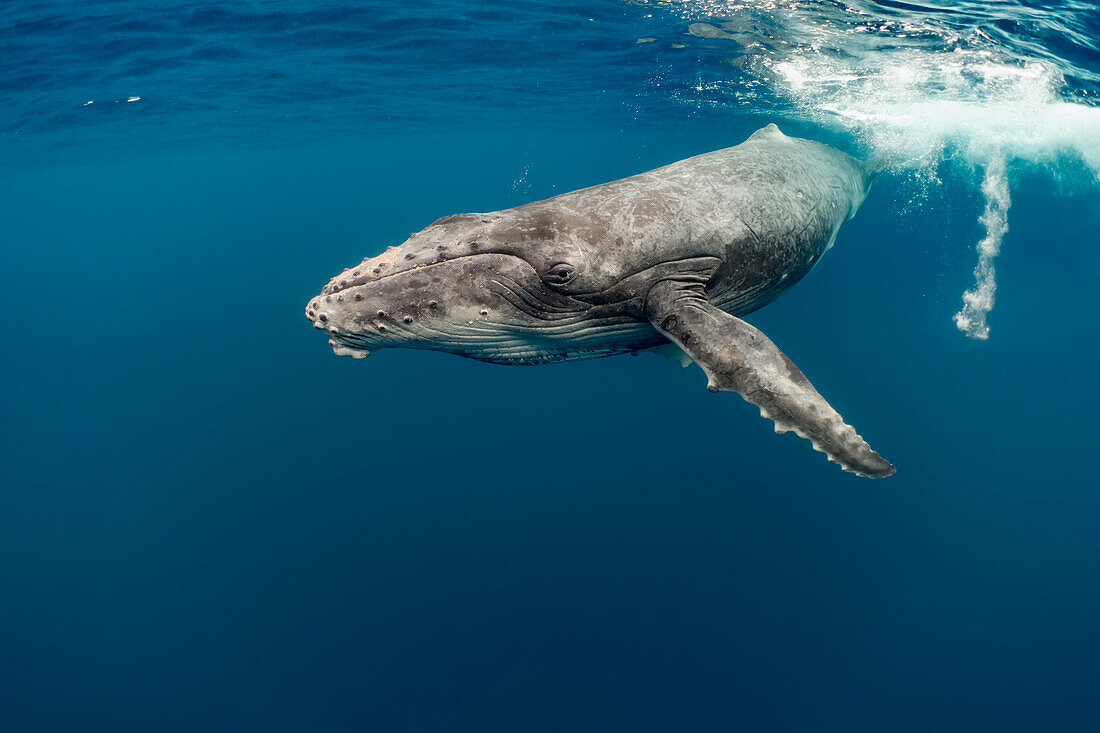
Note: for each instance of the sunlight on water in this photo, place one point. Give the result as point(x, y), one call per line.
point(916, 90)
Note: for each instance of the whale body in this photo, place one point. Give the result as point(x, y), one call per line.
point(668, 259)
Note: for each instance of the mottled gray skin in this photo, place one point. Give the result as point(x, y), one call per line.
point(674, 254)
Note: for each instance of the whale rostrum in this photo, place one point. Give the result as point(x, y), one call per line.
point(677, 254)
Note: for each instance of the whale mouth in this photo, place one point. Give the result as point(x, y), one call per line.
point(491, 307)
point(463, 300)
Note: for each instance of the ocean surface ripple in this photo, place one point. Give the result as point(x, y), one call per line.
point(340, 67)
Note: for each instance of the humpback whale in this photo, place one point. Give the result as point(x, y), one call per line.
point(667, 259)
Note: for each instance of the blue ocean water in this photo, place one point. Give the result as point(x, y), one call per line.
point(209, 522)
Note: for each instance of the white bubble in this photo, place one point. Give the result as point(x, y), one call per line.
point(978, 302)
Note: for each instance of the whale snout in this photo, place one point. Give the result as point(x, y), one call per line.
point(315, 313)
point(324, 313)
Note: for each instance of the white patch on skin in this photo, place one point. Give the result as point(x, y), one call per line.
point(344, 350)
point(673, 353)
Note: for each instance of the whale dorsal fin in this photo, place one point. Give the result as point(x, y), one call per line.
point(769, 130)
point(738, 358)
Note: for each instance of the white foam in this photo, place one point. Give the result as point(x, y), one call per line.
point(915, 107)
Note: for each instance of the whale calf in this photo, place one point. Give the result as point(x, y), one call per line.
point(666, 259)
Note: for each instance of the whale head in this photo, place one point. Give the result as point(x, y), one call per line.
point(486, 286)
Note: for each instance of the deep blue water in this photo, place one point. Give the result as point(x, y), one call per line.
point(209, 522)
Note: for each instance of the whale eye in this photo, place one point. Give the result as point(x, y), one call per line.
point(559, 274)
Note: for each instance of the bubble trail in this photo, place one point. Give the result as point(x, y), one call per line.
point(978, 302)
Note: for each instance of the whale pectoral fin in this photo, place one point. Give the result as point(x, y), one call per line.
point(738, 358)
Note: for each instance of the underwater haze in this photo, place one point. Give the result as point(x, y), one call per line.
point(210, 522)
